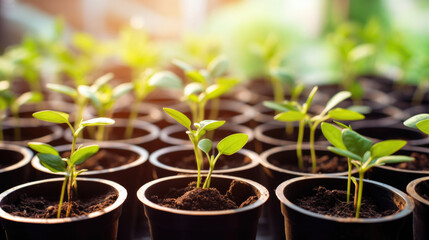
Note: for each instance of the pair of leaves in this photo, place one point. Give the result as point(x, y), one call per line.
point(182, 119)
point(227, 146)
point(419, 121)
point(61, 117)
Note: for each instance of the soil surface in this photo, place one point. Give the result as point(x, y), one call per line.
point(27, 133)
point(420, 164)
point(9, 158)
point(239, 194)
point(334, 203)
point(106, 158)
point(325, 164)
point(39, 207)
point(423, 190)
point(188, 161)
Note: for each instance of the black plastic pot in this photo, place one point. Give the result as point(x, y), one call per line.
point(97, 225)
point(15, 161)
point(275, 175)
point(303, 224)
point(34, 132)
point(131, 176)
point(396, 177)
point(416, 189)
point(169, 223)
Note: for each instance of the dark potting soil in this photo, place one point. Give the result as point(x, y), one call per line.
point(106, 158)
point(334, 203)
point(239, 194)
point(188, 161)
point(38, 207)
point(325, 164)
point(9, 158)
point(27, 133)
point(421, 163)
point(423, 190)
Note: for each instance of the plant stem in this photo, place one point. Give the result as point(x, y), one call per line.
point(132, 118)
point(201, 109)
point(312, 150)
point(100, 131)
point(69, 195)
point(63, 189)
point(349, 178)
point(359, 198)
point(299, 144)
point(197, 158)
point(277, 90)
point(194, 111)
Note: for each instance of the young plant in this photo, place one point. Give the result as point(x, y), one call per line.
point(205, 84)
point(227, 146)
point(296, 112)
point(364, 154)
point(51, 159)
point(195, 135)
point(419, 121)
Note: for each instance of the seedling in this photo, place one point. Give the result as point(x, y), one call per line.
point(196, 134)
point(419, 121)
point(51, 159)
point(293, 111)
point(364, 154)
point(205, 84)
point(227, 146)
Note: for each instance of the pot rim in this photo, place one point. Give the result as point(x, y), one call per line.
point(27, 154)
point(264, 195)
point(413, 149)
point(56, 133)
point(143, 157)
point(412, 142)
point(122, 195)
point(149, 127)
point(153, 159)
point(153, 113)
point(408, 209)
point(411, 190)
point(265, 163)
point(167, 131)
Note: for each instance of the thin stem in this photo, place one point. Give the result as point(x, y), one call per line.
point(194, 112)
point(69, 195)
point(209, 176)
point(299, 144)
point(277, 90)
point(197, 158)
point(214, 108)
point(359, 199)
point(312, 150)
point(63, 189)
point(100, 131)
point(201, 109)
point(349, 178)
point(132, 118)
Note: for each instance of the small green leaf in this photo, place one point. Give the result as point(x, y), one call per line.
point(231, 144)
point(98, 122)
point(122, 89)
point(283, 76)
point(210, 125)
point(335, 100)
point(66, 90)
point(423, 126)
point(87, 92)
point(276, 106)
point(345, 153)
point(290, 116)
point(52, 116)
point(182, 65)
point(412, 121)
point(215, 91)
point(82, 154)
point(205, 145)
point(386, 148)
point(345, 114)
point(355, 142)
point(333, 135)
point(28, 97)
point(218, 66)
point(165, 79)
point(52, 162)
point(179, 117)
point(195, 76)
point(43, 148)
point(310, 99)
point(394, 159)
point(101, 81)
point(193, 88)
point(342, 125)
point(360, 52)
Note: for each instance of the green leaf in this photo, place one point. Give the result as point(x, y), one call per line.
point(66, 90)
point(122, 89)
point(345, 114)
point(205, 145)
point(310, 99)
point(412, 121)
point(179, 117)
point(333, 135)
point(355, 142)
point(283, 76)
point(386, 148)
point(290, 116)
point(3, 105)
point(215, 91)
point(43, 148)
point(210, 125)
point(182, 65)
point(423, 126)
point(360, 109)
point(345, 153)
point(231, 144)
point(342, 125)
point(277, 106)
point(165, 79)
point(52, 162)
point(218, 66)
point(52, 116)
point(82, 154)
point(195, 76)
point(101, 81)
point(28, 97)
point(98, 122)
point(193, 88)
point(87, 92)
point(335, 100)
point(394, 159)
point(360, 52)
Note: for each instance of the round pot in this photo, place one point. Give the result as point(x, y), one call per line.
point(169, 223)
point(15, 162)
point(251, 170)
point(275, 175)
point(146, 112)
point(404, 96)
point(97, 225)
point(34, 132)
point(397, 177)
point(175, 135)
point(232, 111)
point(304, 224)
point(385, 116)
point(421, 209)
point(131, 176)
point(145, 134)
